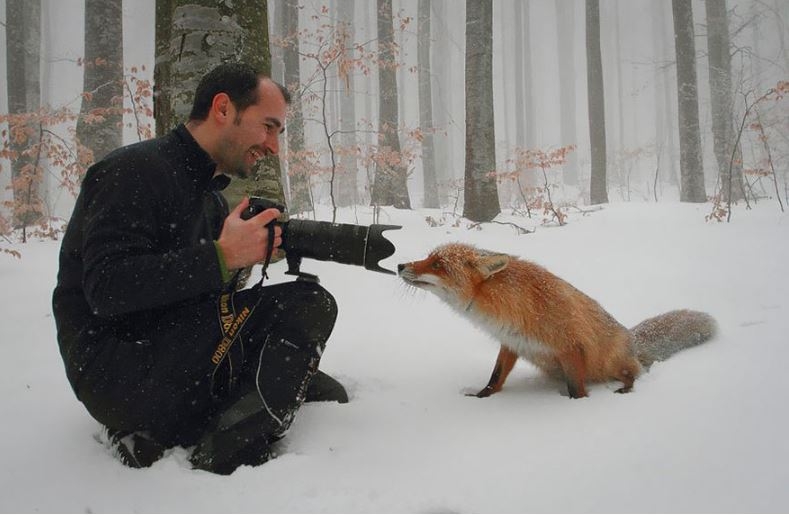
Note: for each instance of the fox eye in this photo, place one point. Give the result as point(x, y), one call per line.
point(436, 265)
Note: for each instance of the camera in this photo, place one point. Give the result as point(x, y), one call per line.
point(348, 244)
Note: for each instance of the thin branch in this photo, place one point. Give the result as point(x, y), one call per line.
point(590, 209)
point(769, 159)
point(65, 143)
point(521, 230)
point(134, 109)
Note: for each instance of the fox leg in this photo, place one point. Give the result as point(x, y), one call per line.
point(504, 363)
point(628, 375)
point(574, 366)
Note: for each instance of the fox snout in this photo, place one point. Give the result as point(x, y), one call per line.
point(406, 272)
point(411, 274)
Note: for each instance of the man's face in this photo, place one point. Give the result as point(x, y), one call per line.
point(253, 133)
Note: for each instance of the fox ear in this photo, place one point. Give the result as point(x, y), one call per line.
point(490, 264)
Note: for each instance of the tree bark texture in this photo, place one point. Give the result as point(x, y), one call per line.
point(721, 98)
point(23, 44)
point(300, 197)
point(390, 187)
point(565, 19)
point(426, 105)
point(100, 125)
point(481, 194)
point(347, 184)
point(162, 105)
point(690, 162)
point(598, 193)
point(442, 97)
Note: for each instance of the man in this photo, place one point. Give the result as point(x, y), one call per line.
point(154, 343)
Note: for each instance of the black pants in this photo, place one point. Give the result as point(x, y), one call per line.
point(172, 384)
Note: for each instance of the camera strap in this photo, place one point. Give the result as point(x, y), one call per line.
point(231, 321)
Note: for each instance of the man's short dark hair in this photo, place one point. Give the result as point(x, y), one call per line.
point(238, 80)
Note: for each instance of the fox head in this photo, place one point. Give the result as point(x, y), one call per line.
point(453, 271)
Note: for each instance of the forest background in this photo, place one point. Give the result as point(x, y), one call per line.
point(548, 107)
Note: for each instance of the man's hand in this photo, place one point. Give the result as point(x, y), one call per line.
point(244, 242)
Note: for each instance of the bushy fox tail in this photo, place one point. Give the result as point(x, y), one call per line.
point(658, 338)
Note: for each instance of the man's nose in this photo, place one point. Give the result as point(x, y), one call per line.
point(272, 144)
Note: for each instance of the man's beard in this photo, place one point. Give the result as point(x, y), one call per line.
point(241, 167)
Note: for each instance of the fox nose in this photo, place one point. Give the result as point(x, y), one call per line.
point(400, 267)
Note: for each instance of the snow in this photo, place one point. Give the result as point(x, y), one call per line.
point(705, 431)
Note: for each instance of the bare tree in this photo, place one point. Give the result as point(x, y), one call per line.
point(565, 22)
point(426, 105)
point(300, 197)
point(162, 104)
point(442, 91)
point(391, 176)
point(348, 187)
point(23, 44)
point(595, 91)
point(100, 125)
point(620, 145)
point(690, 162)
point(481, 195)
point(664, 103)
point(522, 90)
point(721, 97)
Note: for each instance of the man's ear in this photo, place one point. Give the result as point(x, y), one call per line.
point(221, 107)
point(492, 263)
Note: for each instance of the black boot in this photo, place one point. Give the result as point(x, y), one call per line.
point(133, 449)
point(324, 388)
point(239, 436)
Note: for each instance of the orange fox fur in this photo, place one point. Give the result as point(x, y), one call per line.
point(545, 320)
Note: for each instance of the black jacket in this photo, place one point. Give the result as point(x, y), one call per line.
point(140, 240)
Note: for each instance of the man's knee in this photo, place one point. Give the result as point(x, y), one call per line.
point(315, 295)
point(324, 303)
point(310, 304)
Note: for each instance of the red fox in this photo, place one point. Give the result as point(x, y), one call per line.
point(545, 320)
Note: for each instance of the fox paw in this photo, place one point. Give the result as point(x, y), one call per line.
point(485, 392)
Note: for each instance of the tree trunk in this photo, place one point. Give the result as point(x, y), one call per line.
point(102, 79)
point(529, 115)
point(522, 97)
point(662, 154)
point(276, 26)
point(347, 184)
point(665, 103)
point(23, 45)
point(722, 99)
point(390, 187)
point(369, 32)
point(202, 35)
point(442, 98)
point(620, 94)
point(426, 105)
point(162, 105)
point(300, 197)
point(481, 195)
point(690, 163)
point(598, 193)
point(565, 19)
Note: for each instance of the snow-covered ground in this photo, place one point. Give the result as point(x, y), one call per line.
point(705, 431)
